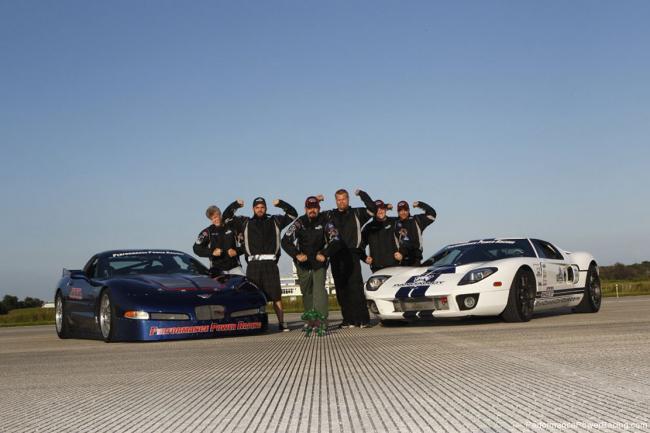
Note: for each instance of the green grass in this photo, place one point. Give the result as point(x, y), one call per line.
point(625, 288)
point(295, 305)
point(28, 317)
point(45, 316)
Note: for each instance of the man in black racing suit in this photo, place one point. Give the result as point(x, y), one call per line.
point(259, 237)
point(219, 244)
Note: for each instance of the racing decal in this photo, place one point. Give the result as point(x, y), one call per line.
point(202, 236)
point(429, 277)
point(403, 235)
point(482, 242)
point(548, 293)
point(551, 292)
point(75, 293)
point(560, 277)
point(556, 300)
point(139, 253)
point(201, 329)
point(332, 232)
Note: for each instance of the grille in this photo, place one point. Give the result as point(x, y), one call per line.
point(210, 312)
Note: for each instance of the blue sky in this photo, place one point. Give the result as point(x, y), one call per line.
point(121, 121)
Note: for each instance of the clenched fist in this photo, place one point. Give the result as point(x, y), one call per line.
point(301, 257)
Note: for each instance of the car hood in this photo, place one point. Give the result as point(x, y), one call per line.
point(183, 283)
point(425, 276)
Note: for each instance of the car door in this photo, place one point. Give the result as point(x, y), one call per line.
point(82, 296)
point(554, 274)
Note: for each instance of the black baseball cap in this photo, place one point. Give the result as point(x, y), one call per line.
point(402, 205)
point(312, 202)
point(259, 200)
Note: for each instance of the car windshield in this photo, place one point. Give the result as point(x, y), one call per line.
point(480, 251)
point(149, 262)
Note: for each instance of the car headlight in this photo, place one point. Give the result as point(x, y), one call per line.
point(375, 282)
point(476, 275)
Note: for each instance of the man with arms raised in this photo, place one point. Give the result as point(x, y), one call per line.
point(346, 265)
point(380, 236)
point(260, 239)
point(219, 244)
point(409, 230)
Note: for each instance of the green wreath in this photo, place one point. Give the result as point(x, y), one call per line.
point(315, 322)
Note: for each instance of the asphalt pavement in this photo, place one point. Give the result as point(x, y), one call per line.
point(559, 372)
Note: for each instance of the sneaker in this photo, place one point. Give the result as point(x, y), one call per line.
point(364, 325)
point(343, 325)
point(283, 327)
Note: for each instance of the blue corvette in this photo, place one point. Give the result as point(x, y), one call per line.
point(140, 295)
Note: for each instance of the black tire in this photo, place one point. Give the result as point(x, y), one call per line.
point(521, 298)
point(106, 316)
point(593, 294)
point(60, 318)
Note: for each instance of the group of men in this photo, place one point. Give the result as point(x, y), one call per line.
point(337, 237)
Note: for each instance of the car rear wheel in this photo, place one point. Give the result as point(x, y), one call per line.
point(60, 319)
point(107, 319)
point(521, 298)
point(593, 294)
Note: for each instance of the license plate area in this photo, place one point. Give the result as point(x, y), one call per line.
point(210, 312)
point(416, 304)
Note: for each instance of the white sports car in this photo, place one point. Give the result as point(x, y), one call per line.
point(510, 277)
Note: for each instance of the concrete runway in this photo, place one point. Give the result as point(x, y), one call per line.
point(559, 372)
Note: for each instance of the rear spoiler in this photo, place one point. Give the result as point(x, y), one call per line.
point(71, 273)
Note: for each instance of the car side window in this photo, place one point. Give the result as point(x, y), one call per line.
point(546, 250)
point(91, 269)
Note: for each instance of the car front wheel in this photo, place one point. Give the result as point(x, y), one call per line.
point(521, 298)
point(60, 319)
point(107, 322)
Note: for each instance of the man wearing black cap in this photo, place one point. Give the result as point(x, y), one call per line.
point(260, 239)
point(346, 265)
point(219, 244)
point(380, 236)
point(311, 241)
point(409, 230)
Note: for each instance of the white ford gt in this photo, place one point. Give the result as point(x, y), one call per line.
point(510, 277)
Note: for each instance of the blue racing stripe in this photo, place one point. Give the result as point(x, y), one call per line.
point(403, 292)
point(419, 291)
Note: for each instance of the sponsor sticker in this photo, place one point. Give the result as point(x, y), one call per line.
point(203, 329)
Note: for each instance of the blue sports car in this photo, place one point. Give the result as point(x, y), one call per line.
point(140, 295)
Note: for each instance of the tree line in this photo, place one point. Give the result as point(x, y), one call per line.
point(10, 302)
point(619, 271)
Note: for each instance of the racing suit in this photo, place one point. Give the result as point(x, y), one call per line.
point(260, 243)
point(214, 237)
point(346, 267)
point(409, 234)
point(312, 237)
